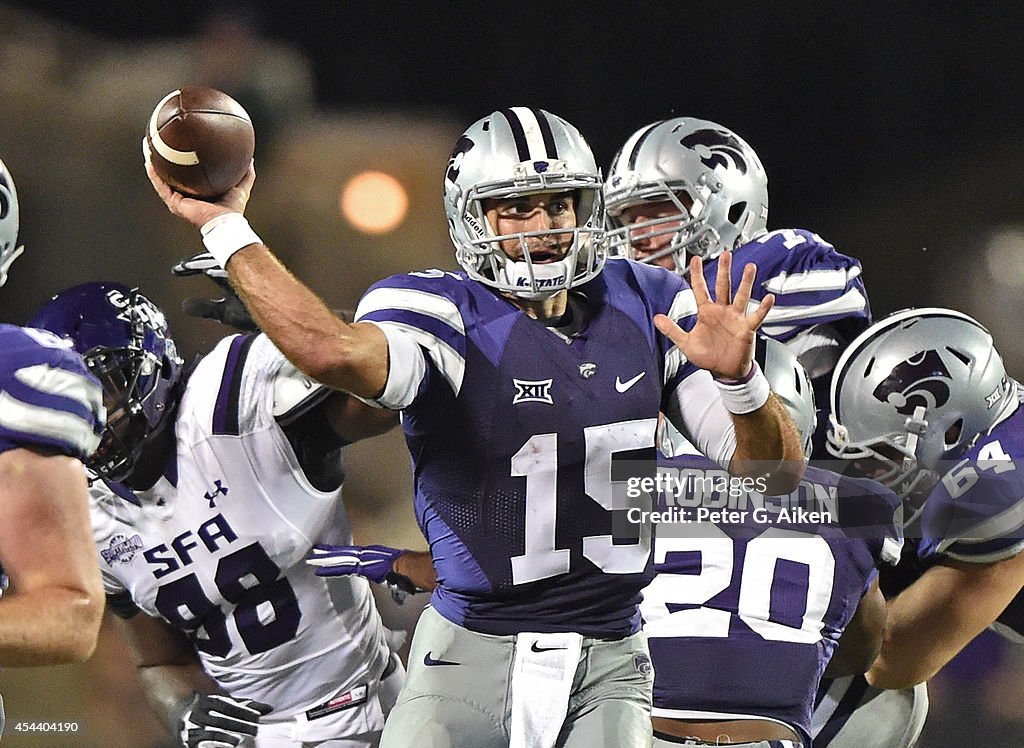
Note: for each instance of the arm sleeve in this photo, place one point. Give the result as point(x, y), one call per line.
point(407, 366)
point(695, 409)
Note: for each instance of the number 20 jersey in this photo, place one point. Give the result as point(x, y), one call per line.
point(512, 431)
point(745, 612)
point(218, 549)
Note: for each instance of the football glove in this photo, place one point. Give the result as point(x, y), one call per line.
point(214, 720)
point(228, 309)
point(374, 562)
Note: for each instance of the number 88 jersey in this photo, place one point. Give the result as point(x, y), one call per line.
point(748, 605)
point(217, 546)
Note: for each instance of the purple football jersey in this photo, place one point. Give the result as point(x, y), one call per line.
point(812, 282)
point(976, 512)
point(753, 592)
point(813, 285)
point(513, 432)
point(48, 398)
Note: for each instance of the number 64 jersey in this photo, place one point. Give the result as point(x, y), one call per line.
point(217, 546)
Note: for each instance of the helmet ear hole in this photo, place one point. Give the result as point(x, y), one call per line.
point(954, 432)
point(736, 212)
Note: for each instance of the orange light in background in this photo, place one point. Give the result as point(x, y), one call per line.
point(374, 202)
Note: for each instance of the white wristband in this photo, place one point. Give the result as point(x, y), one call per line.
point(747, 396)
point(226, 234)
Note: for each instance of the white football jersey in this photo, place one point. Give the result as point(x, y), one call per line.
point(218, 550)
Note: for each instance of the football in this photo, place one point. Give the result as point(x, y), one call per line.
point(201, 141)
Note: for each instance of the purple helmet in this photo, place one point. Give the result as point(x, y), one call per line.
point(126, 344)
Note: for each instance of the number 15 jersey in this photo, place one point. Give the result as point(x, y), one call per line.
point(513, 430)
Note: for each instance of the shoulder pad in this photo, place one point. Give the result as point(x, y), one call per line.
point(295, 393)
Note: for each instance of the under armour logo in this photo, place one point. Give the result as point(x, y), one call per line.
point(218, 490)
point(528, 391)
point(916, 382)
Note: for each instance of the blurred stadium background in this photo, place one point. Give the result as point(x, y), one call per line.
point(894, 132)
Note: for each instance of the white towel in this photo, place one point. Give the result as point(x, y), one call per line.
point(542, 675)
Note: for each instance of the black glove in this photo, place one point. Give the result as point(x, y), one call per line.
point(229, 309)
point(217, 721)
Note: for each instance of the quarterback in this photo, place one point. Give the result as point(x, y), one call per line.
point(518, 389)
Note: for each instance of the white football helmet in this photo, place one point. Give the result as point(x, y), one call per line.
point(510, 153)
point(790, 384)
point(9, 249)
point(712, 176)
point(917, 386)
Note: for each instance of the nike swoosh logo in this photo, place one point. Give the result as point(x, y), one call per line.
point(430, 661)
point(535, 648)
point(621, 386)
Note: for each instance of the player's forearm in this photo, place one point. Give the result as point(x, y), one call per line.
point(169, 689)
point(418, 566)
point(768, 448)
point(896, 669)
point(347, 357)
point(925, 628)
point(939, 614)
point(48, 626)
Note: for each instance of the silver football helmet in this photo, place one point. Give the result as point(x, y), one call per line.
point(917, 386)
point(510, 153)
point(9, 249)
point(713, 177)
point(790, 384)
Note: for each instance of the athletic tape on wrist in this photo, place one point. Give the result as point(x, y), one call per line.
point(747, 395)
point(226, 234)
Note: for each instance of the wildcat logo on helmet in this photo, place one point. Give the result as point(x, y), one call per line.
point(916, 382)
point(121, 549)
point(717, 148)
point(462, 146)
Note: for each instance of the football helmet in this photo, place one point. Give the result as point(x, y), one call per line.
point(126, 344)
point(714, 179)
point(790, 384)
point(913, 388)
point(9, 249)
point(510, 153)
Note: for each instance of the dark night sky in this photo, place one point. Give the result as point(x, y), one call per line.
point(831, 96)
